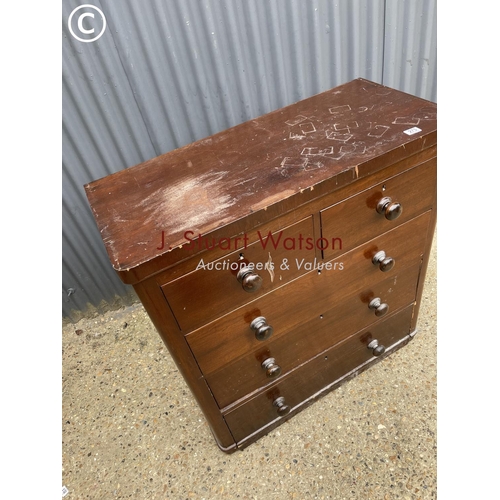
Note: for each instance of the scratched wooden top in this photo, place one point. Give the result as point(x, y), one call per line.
point(303, 150)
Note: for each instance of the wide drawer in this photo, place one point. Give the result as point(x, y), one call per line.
point(356, 219)
point(321, 332)
point(209, 292)
point(318, 374)
point(231, 337)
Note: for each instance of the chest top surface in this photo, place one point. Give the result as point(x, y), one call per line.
point(301, 151)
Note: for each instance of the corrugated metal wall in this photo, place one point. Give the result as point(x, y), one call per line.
point(167, 72)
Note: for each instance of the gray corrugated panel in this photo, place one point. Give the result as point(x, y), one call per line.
point(166, 73)
point(410, 61)
point(200, 67)
point(103, 131)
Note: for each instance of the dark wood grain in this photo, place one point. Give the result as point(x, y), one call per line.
point(208, 293)
point(296, 153)
point(317, 374)
point(230, 337)
point(245, 375)
point(167, 269)
point(152, 299)
point(356, 219)
point(315, 169)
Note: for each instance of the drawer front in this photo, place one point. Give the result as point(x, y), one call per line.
point(247, 374)
point(356, 219)
point(231, 337)
point(317, 374)
point(206, 294)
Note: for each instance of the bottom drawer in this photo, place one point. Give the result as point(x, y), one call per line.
point(315, 375)
point(244, 375)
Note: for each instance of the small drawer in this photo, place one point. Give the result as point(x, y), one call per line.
point(282, 354)
point(207, 293)
point(357, 219)
point(232, 336)
point(315, 376)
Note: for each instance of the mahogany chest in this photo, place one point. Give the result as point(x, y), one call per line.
point(283, 256)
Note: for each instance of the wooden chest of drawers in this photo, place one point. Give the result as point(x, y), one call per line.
point(281, 257)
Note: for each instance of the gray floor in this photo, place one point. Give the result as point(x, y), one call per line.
point(131, 428)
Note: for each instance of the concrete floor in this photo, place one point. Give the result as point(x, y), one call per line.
point(131, 428)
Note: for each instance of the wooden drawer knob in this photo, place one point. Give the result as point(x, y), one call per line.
point(262, 330)
point(283, 408)
point(377, 349)
point(379, 307)
point(384, 263)
point(272, 369)
point(390, 209)
point(250, 281)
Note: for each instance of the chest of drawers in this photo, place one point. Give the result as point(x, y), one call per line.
point(281, 257)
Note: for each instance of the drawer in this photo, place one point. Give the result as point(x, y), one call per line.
point(319, 373)
point(206, 294)
point(321, 332)
point(356, 219)
point(289, 307)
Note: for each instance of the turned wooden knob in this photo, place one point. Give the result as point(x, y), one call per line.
point(283, 408)
point(250, 281)
point(384, 263)
point(262, 330)
point(377, 349)
point(272, 369)
point(379, 307)
point(390, 209)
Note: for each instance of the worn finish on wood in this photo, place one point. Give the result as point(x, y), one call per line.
point(333, 197)
point(333, 138)
point(292, 214)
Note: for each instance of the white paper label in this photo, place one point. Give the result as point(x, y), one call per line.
point(65, 491)
point(412, 130)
